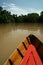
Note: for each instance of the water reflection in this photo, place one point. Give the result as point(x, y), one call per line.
point(12, 34)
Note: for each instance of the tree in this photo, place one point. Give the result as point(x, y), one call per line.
point(6, 17)
point(1, 9)
point(41, 17)
point(41, 13)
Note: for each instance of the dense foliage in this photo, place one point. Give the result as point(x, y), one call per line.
point(6, 17)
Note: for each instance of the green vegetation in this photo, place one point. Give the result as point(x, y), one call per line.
point(6, 17)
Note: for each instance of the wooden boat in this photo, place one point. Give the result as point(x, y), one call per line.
point(31, 57)
point(18, 54)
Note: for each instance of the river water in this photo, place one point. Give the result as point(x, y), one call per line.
point(12, 34)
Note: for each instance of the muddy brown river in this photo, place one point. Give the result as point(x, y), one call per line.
point(12, 34)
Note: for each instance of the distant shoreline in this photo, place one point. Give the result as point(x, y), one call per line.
point(6, 17)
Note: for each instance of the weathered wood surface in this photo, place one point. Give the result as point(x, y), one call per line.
point(18, 54)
